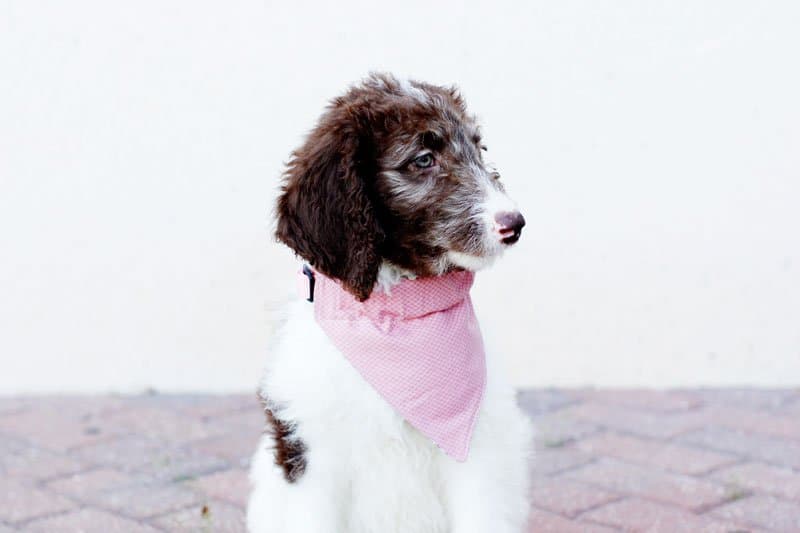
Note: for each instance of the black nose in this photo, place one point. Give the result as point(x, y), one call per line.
point(509, 225)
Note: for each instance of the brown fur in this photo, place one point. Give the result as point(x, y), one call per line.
point(288, 449)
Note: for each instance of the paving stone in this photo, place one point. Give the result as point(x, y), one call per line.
point(763, 511)
point(144, 501)
point(81, 486)
point(625, 478)
point(568, 498)
point(213, 407)
point(12, 445)
point(552, 461)
point(88, 521)
point(125, 453)
point(213, 516)
point(57, 431)
point(151, 458)
point(640, 515)
point(641, 399)
point(235, 449)
point(648, 424)
point(780, 452)
point(772, 424)
point(80, 406)
point(758, 477)
point(538, 402)
point(12, 405)
point(756, 399)
point(543, 522)
point(554, 430)
point(248, 423)
point(231, 486)
point(161, 424)
point(606, 460)
point(20, 501)
point(659, 454)
point(37, 464)
point(791, 407)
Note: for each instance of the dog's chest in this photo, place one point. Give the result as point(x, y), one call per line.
point(389, 471)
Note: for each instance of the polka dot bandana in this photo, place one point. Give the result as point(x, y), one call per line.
point(419, 346)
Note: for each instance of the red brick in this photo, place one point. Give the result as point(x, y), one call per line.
point(771, 424)
point(762, 511)
point(161, 424)
point(88, 521)
point(236, 450)
point(556, 429)
point(247, 424)
point(21, 501)
point(151, 458)
point(544, 522)
point(641, 515)
point(761, 478)
point(219, 517)
point(144, 501)
point(538, 402)
point(663, 455)
point(616, 476)
point(568, 498)
point(54, 430)
point(757, 399)
point(641, 399)
point(551, 461)
point(647, 424)
point(86, 483)
point(780, 452)
point(231, 486)
point(216, 407)
point(37, 464)
point(791, 407)
point(12, 405)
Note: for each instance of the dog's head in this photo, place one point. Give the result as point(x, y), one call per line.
point(394, 172)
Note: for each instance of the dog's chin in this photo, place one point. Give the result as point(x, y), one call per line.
point(471, 262)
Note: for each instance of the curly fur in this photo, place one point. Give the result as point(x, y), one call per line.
point(360, 202)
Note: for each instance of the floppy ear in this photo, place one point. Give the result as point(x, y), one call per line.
point(324, 212)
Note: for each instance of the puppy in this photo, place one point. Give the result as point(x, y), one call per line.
point(385, 412)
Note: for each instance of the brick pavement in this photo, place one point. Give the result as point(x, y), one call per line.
point(607, 460)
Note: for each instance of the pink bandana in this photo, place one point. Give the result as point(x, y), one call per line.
point(420, 347)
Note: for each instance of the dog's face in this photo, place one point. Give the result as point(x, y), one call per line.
point(394, 171)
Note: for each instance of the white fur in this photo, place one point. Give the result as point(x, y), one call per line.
point(368, 471)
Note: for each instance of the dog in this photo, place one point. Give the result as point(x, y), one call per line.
point(392, 207)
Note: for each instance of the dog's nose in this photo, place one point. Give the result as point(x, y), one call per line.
point(509, 225)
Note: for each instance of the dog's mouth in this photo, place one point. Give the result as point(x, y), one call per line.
point(509, 237)
point(472, 262)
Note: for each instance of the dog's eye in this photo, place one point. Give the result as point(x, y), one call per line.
point(424, 161)
point(484, 148)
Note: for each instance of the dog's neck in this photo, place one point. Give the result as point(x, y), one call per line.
point(390, 275)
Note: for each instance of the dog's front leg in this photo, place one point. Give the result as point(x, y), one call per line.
point(479, 503)
point(489, 492)
point(309, 504)
point(312, 505)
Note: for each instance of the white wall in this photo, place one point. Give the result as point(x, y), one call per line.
point(654, 147)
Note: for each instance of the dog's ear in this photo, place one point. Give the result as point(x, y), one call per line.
point(324, 212)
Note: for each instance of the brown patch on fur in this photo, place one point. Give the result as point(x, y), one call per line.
point(342, 212)
point(288, 450)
